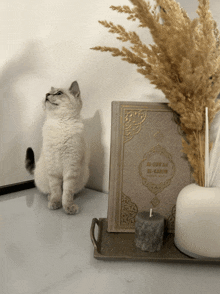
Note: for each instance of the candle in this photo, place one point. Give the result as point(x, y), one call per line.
point(149, 231)
point(197, 221)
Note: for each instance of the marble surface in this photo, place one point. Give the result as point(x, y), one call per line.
point(44, 251)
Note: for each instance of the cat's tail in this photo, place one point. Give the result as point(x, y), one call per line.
point(30, 161)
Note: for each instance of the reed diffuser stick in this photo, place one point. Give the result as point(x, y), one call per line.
point(206, 148)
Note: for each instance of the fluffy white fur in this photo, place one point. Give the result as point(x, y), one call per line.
point(62, 169)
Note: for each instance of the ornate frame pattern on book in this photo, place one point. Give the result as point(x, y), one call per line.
point(147, 167)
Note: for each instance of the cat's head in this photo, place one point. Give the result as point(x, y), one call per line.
point(63, 103)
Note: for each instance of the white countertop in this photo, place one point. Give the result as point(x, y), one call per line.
point(44, 251)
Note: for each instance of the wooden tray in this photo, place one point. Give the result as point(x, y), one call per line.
point(121, 246)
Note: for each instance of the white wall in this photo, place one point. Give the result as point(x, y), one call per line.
point(47, 43)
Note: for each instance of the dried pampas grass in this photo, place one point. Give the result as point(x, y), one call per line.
point(183, 62)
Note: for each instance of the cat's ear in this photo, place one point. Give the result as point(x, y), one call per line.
point(52, 89)
point(74, 89)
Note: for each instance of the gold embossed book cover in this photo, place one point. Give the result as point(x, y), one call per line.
point(147, 167)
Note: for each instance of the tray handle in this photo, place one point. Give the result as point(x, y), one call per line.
point(92, 231)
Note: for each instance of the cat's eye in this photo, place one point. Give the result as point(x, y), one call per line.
point(59, 93)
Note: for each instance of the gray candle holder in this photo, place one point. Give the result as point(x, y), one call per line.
point(149, 231)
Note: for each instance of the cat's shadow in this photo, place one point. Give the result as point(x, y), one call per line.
point(93, 129)
point(14, 128)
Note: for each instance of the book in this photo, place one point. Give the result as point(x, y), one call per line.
point(147, 166)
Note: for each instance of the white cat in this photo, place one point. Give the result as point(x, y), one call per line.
point(62, 169)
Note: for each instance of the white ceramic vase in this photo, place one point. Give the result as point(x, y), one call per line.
point(197, 222)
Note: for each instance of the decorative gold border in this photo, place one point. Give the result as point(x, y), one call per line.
point(133, 120)
point(134, 128)
point(128, 129)
point(129, 211)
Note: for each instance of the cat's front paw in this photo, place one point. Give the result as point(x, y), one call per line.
point(71, 208)
point(54, 204)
